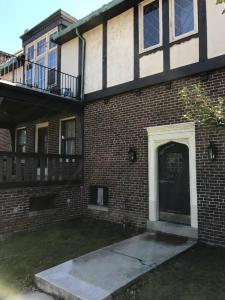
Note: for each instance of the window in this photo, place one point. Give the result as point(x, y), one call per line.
point(151, 24)
point(184, 17)
point(98, 196)
point(39, 81)
point(68, 132)
point(21, 140)
point(30, 53)
point(41, 45)
point(51, 43)
point(52, 64)
point(42, 202)
point(29, 74)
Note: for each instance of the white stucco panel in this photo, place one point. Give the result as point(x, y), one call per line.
point(93, 63)
point(184, 54)
point(69, 57)
point(151, 64)
point(215, 29)
point(120, 49)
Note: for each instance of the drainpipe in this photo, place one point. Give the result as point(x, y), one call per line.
point(82, 62)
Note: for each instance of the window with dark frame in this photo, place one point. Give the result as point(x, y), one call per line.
point(151, 24)
point(21, 140)
point(98, 196)
point(183, 17)
point(68, 137)
point(51, 43)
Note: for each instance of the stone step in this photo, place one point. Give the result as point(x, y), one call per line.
point(172, 228)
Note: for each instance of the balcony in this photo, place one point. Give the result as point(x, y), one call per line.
point(32, 169)
point(25, 73)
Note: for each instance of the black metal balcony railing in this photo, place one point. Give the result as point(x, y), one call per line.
point(34, 169)
point(27, 73)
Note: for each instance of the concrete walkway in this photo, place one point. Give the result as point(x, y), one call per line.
point(99, 274)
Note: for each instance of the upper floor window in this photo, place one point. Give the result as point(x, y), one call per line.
point(30, 53)
point(68, 131)
point(41, 46)
point(184, 14)
point(51, 43)
point(151, 19)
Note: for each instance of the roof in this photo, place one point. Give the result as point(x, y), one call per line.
point(70, 31)
point(56, 15)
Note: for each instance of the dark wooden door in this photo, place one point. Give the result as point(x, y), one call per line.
point(173, 166)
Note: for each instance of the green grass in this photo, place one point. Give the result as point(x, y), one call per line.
point(27, 254)
point(198, 274)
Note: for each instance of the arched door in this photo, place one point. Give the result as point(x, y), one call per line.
point(174, 191)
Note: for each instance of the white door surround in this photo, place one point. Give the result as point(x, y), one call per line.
point(183, 133)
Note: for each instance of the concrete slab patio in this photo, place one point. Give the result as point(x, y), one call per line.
point(98, 275)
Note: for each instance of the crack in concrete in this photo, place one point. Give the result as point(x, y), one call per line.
point(136, 258)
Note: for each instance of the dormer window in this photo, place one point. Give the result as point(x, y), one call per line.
point(184, 18)
point(150, 25)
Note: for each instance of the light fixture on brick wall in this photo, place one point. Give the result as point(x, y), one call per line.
point(132, 155)
point(212, 151)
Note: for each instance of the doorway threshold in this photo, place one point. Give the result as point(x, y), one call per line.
point(172, 228)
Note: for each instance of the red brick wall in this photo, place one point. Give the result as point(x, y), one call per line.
point(14, 208)
point(5, 140)
point(112, 126)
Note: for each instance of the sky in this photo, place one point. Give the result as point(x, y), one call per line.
point(18, 15)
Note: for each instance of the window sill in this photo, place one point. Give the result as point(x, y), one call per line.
point(99, 208)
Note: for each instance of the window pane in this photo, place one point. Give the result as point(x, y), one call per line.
point(29, 74)
point(151, 24)
point(40, 74)
point(30, 53)
point(52, 60)
point(70, 129)
point(41, 47)
point(184, 16)
point(52, 44)
point(70, 147)
point(21, 140)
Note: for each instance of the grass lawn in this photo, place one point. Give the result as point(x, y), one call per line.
point(198, 274)
point(27, 254)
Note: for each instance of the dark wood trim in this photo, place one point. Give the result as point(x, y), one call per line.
point(193, 69)
point(202, 28)
point(136, 43)
point(166, 35)
point(104, 54)
point(151, 51)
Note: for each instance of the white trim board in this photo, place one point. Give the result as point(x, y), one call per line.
point(183, 133)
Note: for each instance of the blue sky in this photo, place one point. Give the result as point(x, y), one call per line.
point(18, 15)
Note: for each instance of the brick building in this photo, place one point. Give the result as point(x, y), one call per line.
point(143, 163)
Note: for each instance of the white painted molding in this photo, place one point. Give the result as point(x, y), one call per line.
point(183, 133)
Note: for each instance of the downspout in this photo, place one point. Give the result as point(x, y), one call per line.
point(82, 63)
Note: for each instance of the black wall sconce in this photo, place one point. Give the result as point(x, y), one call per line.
point(212, 151)
point(132, 155)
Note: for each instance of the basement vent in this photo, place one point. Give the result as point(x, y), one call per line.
point(42, 202)
point(98, 195)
